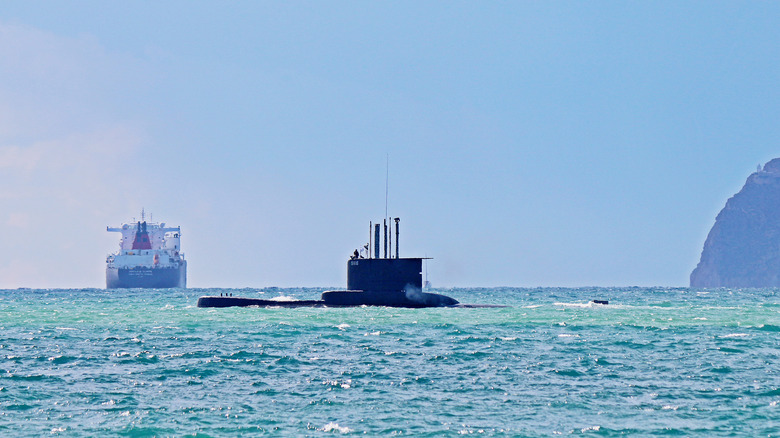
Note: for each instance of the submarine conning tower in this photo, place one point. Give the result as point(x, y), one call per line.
point(385, 281)
point(384, 274)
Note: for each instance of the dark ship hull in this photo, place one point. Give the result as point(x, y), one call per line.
point(143, 277)
point(341, 298)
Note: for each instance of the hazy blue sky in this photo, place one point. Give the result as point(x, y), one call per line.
point(530, 143)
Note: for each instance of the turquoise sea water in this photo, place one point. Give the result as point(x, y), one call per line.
point(654, 362)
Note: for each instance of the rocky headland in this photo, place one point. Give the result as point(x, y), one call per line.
point(743, 247)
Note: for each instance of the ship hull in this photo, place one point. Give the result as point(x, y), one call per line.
point(142, 277)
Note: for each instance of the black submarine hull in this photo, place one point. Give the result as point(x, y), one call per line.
point(414, 299)
point(341, 298)
point(211, 301)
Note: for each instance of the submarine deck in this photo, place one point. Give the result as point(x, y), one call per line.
point(212, 301)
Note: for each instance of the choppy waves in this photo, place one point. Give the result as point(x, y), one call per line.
point(149, 363)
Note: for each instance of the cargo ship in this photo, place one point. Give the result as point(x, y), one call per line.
point(149, 257)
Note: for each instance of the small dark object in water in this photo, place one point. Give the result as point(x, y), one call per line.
point(600, 302)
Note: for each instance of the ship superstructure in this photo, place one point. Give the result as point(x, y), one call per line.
point(149, 257)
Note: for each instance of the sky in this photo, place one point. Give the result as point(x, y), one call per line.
point(525, 144)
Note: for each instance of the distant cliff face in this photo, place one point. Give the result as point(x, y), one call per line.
point(743, 247)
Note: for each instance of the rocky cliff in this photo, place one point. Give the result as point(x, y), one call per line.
point(743, 247)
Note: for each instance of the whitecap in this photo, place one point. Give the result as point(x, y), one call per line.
point(283, 298)
point(343, 326)
point(588, 304)
point(331, 427)
point(734, 335)
point(346, 384)
point(470, 431)
point(720, 308)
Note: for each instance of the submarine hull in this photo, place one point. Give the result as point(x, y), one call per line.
point(340, 298)
point(414, 299)
point(210, 301)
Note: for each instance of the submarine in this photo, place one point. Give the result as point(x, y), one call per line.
point(372, 280)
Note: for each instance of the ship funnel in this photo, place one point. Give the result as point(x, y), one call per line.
point(141, 240)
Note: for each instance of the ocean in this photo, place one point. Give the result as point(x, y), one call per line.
point(654, 362)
